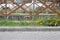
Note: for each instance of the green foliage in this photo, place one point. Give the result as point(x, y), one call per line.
point(39, 22)
point(47, 22)
point(13, 23)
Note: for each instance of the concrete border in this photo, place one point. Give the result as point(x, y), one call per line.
point(3, 29)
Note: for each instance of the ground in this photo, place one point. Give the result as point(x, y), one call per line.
point(38, 35)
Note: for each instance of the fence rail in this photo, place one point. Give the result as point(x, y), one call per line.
point(32, 8)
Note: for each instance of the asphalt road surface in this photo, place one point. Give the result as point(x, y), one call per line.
point(29, 35)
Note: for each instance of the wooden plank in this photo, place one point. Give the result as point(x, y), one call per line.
point(16, 8)
point(48, 6)
point(32, 15)
point(0, 1)
point(23, 3)
point(26, 11)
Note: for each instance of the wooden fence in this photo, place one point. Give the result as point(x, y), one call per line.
point(38, 7)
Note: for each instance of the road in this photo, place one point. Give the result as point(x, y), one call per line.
point(30, 35)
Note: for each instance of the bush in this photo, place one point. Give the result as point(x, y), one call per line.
point(47, 22)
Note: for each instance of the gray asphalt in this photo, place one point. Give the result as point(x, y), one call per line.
point(30, 35)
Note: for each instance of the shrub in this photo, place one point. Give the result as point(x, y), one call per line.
point(47, 22)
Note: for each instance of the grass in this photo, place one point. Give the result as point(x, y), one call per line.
point(40, 22)
point(13, 23)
